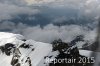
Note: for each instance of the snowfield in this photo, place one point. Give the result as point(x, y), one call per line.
point(15, 50)
point(40, 49)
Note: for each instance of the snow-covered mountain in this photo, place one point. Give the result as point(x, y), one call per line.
point(16, 50)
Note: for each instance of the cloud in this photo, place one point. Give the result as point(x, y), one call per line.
point(51, 32)
point(87, 8)
point(14, 2)
point(7, 25)
point(56, 9)
point(9, 11)
point(60, 19)
point(56, 2)
point(13, 27)
point(30, 2)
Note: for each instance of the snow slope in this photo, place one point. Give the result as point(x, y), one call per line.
point(27, 52)
point(88, 53)
point(9, 38)
point(36, 50)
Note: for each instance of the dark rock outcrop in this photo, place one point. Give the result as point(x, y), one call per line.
point(7, 48)
point(67, 52)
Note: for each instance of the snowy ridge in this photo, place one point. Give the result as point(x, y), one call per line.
point(9, 38)
point(15, 50)
point(26, 53)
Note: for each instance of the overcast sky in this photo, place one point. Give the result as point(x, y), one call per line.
point(47, 20)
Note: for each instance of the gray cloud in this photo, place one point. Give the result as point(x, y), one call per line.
point(60, 19)
point(83, 8)
point(51, 32)
point(88, 8)
point(7, 25)
point(9, 11)
point(66, 33)
point(56, 11)
point(14, 2)
point(12, 27)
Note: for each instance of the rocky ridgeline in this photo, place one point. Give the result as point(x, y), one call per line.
point(10, 49)
point(66, 51)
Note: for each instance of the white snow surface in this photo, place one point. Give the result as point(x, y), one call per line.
point(40, 49)
point(88, 53)
point(9, 38)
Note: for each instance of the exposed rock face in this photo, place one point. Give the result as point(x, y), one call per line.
point(72, 53)
point(16, 56)
point(24, 45)
point(91, 47)
point(28, 61)
point(7, 48)
point(16, 59)
point(10, 49)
